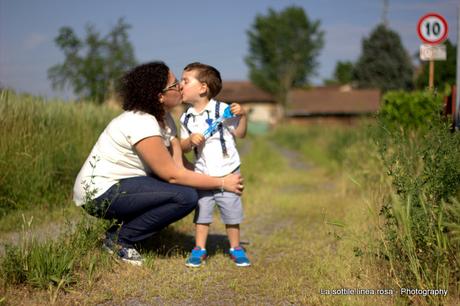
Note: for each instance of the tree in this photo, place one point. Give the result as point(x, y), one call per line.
point(92, 65)
point(444, 71)
point(343, 74)
point(283, 48)
point(384, 63)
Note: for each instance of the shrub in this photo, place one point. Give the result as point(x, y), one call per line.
point(422, 157)
point(409, 110)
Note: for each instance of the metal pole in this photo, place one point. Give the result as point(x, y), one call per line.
point(431, 76)
point(457, 104)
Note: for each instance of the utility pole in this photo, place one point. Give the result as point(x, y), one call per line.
point(457, 104)
point(385, 13)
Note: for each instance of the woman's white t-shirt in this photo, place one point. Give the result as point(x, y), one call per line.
point(114, 156)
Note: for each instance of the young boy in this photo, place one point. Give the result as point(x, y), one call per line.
point(216, 156)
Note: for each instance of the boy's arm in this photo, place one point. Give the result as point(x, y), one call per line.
point(184, 138)
point(187, 144)
point(240, 130)
point(193, 140)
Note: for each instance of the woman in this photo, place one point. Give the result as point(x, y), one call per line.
point(134, 173)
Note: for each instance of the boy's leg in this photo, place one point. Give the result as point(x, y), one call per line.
point(203, 218)
point(231, 213)
point(233, 233)
point(201, 234)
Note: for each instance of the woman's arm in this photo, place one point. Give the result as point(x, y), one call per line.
point(178, 155)
point(176, 152)
point(154, 153)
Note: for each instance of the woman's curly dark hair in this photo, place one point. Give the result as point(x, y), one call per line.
point(140, 88)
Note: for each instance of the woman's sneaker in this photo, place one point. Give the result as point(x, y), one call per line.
point(197, 257)
point(110, 242)
point(238, 255)
point(130, 255)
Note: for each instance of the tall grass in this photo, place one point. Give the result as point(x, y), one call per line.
point(42, 147)
point(53, 263)
point(421, 210)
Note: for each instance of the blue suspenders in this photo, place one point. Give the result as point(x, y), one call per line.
point(187, 118)
point(220, 129)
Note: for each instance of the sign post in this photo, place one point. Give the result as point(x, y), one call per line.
point(432, 29)
point(457, 102)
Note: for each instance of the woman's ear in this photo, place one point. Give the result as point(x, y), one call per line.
point(161, 97)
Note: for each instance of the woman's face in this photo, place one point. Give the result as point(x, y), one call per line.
point(171, 96)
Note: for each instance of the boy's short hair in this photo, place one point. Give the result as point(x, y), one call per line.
point(208, 75)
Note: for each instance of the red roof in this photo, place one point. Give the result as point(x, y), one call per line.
point(324, 100)
point(243, 91)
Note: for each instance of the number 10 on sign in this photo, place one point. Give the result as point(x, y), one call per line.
point(432, 29)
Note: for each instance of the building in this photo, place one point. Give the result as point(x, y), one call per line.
point(317, 104)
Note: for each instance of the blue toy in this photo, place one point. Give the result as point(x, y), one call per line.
point(213, 127)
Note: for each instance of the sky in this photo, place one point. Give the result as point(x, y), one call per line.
point(179, 32)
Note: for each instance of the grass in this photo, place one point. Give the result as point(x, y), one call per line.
point(311, 221)
point(43, 145)
point(301, 231)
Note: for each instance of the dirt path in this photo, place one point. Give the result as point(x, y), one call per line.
point(301, 232)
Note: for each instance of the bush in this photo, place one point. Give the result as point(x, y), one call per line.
point(409, 110)
point(422, 157)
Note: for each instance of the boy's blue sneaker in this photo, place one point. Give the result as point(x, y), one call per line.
point(238, 255)
point(130, 255)
point(197, 257)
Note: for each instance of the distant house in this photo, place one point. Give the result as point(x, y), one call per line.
point(306, 105)
point(332, 104)
point(263, 112)
point(260, 104)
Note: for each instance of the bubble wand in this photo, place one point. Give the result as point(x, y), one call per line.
point(213, 127)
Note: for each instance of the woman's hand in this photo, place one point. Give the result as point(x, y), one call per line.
point(233, 183)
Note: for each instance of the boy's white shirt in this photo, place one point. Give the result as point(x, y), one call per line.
point(210, 156)
point(114, 156)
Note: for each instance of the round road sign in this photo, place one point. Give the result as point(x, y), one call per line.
point(432, 28)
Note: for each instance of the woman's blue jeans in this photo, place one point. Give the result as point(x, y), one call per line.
point(144, 205)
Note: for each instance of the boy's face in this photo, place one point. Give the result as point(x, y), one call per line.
point(192, 89)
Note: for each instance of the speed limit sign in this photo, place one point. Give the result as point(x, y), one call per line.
point(432, 29)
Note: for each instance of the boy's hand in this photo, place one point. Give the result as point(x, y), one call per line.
point(237, 109)
point(196, 139)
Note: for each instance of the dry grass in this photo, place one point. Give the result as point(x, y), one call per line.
point(301, 231)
